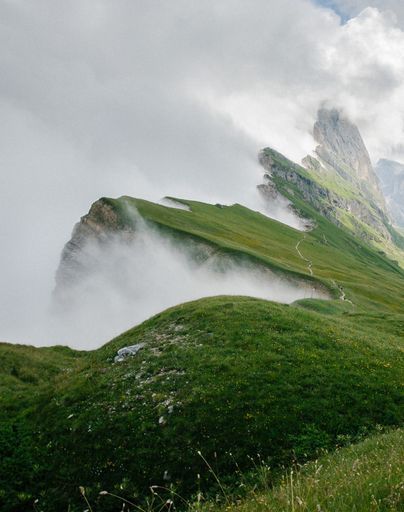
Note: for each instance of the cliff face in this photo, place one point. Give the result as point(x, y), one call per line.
point(338, 180)
point(391, 175)
point(324, 199)
point(116, 224)
point(97, 227)
point(341, 150)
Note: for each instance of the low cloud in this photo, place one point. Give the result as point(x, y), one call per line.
point(128, 281)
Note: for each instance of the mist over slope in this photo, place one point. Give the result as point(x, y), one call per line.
point(125, 282)
point(121, 270)
point(115, 265)
point(150, 99)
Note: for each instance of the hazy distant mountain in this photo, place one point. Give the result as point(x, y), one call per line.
point(391, 175)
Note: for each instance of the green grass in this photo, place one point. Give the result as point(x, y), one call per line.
point(243, 375)
point(366, 477)
point(26, 370)
point(371, 280)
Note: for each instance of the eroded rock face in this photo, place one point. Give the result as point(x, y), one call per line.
point(391, 175)
point(340, 146)
point(340, 163)
point(325, 200)
point(341, 182)
point(98, 226)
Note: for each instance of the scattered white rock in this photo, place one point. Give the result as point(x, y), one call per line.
point(162, 421)
point(126, 352)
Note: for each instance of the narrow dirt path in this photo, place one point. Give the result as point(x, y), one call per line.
point(309, 262)
point(310, 269)
point(342, 294)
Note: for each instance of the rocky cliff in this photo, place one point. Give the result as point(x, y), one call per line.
point(369, 222)
point(391, 175)
point(98, 226)
point(341, 150)
point(338, 180)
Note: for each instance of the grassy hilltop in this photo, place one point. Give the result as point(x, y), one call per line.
point(231, 377)
point(219, 375)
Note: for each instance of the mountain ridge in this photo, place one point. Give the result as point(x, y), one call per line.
point(221, 378)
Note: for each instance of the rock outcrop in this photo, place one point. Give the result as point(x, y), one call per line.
point(125, 352)
point(98, 226)
point(325, 200)
point(391, 175)
point(341, 149)
point(338, 180)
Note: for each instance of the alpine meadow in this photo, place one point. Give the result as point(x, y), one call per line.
point(202, 264)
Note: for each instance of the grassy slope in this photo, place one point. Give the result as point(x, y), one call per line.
point(25, 371)
point(365, 477)
point(242, 374)
point(371, 280)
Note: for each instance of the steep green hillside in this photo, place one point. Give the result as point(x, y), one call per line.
point(219, 375)
point(335, 198)
point(370, 279)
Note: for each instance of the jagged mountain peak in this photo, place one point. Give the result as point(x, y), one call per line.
point(341, 149)
point(339, 181)
point(336, 135)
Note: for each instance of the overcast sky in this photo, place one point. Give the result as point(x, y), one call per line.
point(150, 97)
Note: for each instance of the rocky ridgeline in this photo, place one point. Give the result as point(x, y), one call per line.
point(325, 200)
point(341, 157)
point(391, 175)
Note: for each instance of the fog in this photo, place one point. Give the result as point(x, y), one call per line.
point(128, 281)
point(156, 98)
point(281, 209)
